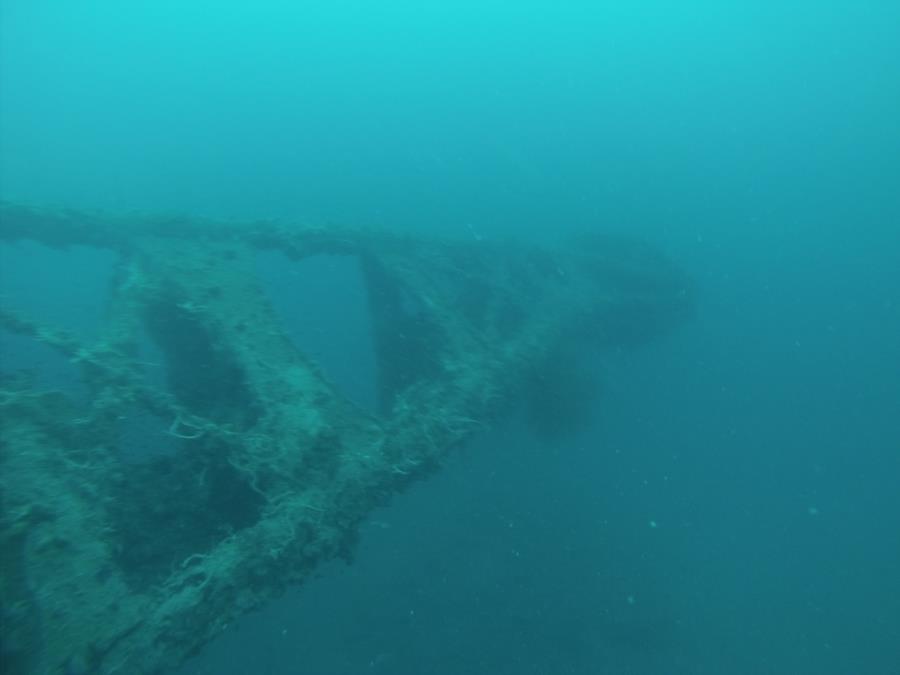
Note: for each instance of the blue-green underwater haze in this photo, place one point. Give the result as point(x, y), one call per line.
point(733, 505)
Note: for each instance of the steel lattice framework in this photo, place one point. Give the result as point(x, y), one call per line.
point(114, 567)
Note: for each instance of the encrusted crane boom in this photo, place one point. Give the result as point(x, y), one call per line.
point(110, 566)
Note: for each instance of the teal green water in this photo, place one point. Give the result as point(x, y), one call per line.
point(734, 507)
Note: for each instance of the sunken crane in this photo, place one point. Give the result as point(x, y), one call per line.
point(110, 565)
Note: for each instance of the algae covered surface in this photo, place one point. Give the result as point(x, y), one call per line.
point(127, 546)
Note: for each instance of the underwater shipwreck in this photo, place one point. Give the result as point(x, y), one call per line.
point(114, 565)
